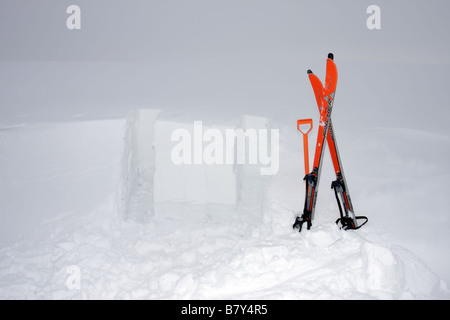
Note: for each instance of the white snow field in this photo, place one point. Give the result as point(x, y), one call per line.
point(107, 202)
point(93, 202)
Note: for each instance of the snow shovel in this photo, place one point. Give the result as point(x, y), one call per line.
point(300, 123)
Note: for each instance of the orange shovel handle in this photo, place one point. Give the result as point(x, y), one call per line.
point(303, 122)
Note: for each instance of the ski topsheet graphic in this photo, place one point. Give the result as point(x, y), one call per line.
point(325, 98)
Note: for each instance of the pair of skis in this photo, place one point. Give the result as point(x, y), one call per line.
point(325, 98)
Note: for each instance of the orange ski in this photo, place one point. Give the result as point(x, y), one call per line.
point(325, 98)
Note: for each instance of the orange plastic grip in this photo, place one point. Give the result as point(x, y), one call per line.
point(305, 139)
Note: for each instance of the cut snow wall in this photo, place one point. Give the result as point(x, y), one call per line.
point(249, 176)
point(251, 185)
point(138, 164)
point(193, 183)
point(151, 175)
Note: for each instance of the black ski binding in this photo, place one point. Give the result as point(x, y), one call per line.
point(299, 221)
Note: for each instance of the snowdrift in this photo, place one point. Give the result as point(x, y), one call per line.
point(96, 210)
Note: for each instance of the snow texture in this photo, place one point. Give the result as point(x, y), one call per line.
point(188, 245)
point(93, 207)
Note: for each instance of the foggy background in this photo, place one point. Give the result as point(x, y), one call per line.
point(216, 60)
point(235, 56)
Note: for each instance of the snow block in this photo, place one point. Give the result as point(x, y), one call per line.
point(184, 159)
point(250, 182)
point(192, 181)
point(138, 165)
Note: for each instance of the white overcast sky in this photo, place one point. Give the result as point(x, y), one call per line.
point(167, 30)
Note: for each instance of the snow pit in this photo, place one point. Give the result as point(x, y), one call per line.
point(152, 173)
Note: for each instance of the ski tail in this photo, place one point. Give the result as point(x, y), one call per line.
point(331, 76)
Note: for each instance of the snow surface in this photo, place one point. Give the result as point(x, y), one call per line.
point(131, 246)
point(92, 207)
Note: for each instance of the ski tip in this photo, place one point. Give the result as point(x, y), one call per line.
point(331, 56)
point(309, 71)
